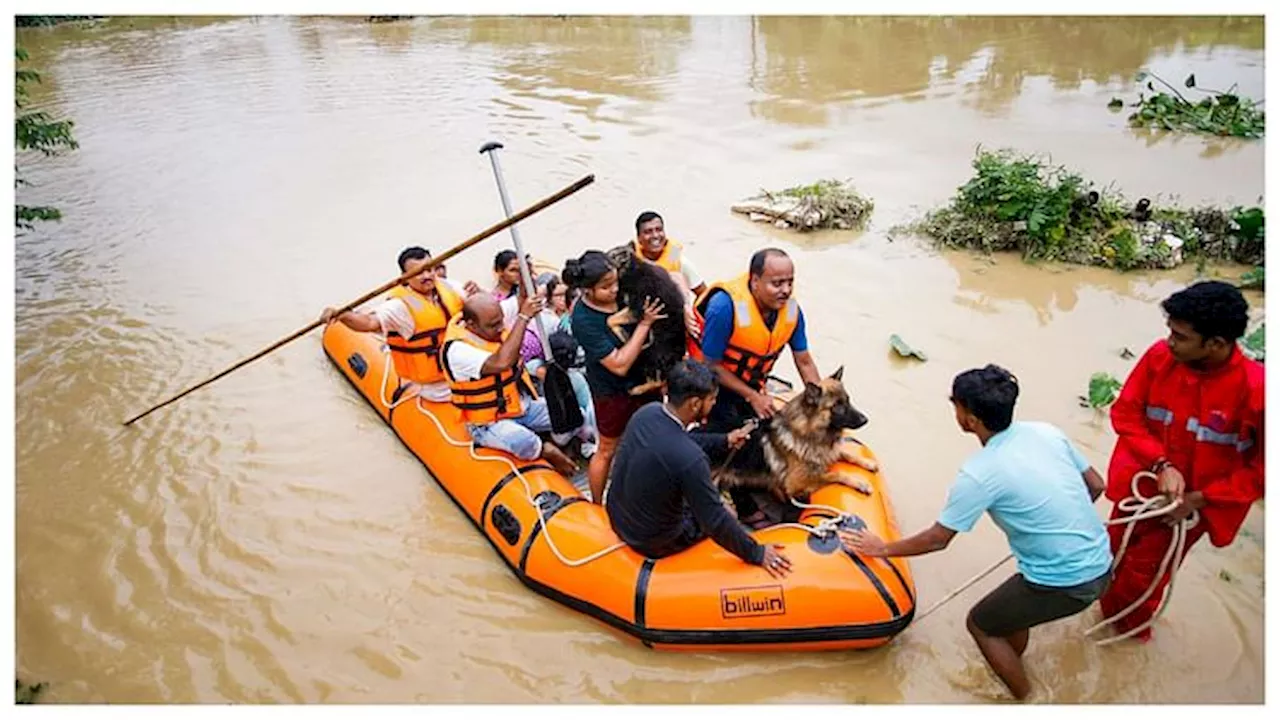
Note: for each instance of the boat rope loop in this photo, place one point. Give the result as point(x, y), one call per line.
point(824, 528)
point(528, 493)
point(1142, 508)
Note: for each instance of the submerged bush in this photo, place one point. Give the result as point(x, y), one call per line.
point(1021, 203)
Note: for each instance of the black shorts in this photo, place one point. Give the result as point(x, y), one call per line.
point(1018, 604)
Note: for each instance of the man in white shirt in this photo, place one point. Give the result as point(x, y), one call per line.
point(413, 318)
point(489, 384)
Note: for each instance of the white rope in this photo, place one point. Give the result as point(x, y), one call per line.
point(1144, 508)
point(382, 387)
point(528, 492)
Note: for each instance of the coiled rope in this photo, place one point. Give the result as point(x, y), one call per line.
point(1140, 507)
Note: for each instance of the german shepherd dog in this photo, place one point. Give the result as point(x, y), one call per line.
point(666, 344)
point(801, 441)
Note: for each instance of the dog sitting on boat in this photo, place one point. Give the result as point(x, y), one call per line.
point(800, 443)
point(639, 279)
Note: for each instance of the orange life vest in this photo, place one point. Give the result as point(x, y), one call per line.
point(492, 397)
point(670, 257)
point(753, 348)
point(417, 358)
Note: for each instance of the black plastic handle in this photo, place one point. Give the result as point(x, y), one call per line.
point(490, 146)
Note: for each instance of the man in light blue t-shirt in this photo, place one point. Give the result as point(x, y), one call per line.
point(1039, 490)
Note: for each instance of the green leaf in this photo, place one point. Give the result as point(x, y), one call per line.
point(1255, 343)
point(1254, 279)
point(1103, 389)
point(902, 348)
point(1115, 104)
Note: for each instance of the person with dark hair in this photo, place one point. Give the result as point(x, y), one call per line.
point(747, 322)
point(413, 318)
point(490, 386)
point(609, 361)
point(507, 273)
point(652, 244)
point(534, 357)
point(661, 498)
point(1039, 490)
point(1192, 413)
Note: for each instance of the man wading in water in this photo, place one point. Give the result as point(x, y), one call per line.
point(1039, 490)
point(1191, 412)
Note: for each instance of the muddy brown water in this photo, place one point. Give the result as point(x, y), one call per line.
point(269, 540)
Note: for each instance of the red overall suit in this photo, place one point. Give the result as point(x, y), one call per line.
point(1208, 425)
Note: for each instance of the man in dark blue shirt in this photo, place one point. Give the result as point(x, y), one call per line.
point(661, 499)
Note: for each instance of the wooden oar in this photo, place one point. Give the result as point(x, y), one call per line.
point(491, 230)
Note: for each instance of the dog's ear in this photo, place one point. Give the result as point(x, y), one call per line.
point(838, 374)
point(812, 393)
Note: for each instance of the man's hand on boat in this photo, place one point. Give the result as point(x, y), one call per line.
point(863, 543)
point(774, 562)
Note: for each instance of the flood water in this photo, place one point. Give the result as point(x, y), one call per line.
point(268, 539)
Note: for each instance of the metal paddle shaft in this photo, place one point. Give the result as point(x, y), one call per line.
point(488, 232)
point(540, 329)
point(564, 411)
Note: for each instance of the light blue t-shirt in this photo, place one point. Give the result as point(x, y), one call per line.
point(1029, 478)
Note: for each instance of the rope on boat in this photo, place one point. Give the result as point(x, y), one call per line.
point(1140, 507)
point(822, 529)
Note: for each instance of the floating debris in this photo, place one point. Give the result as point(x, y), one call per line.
point(902, 348)
point(1020, 203)
point(826, 204)
point(1255, 343)
point(1104, 388)
point(1221, 113)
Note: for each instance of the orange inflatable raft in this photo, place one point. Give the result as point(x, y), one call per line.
point(560, 545)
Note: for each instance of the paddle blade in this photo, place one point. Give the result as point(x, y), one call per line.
point(562, 401)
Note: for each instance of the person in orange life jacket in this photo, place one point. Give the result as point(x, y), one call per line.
point(413, 319)
point(652, 244)
point(1192, 412)
point(1039, 490)
point(489, 384)
point(748, 321)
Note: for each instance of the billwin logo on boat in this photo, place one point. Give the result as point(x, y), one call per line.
point(752, 602)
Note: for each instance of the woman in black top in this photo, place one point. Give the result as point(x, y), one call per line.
point(608, 359)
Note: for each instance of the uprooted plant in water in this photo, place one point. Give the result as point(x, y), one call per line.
point(1021, 203)
point(826, 204)
point(1222, 113)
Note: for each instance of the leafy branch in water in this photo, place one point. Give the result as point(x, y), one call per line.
point(1220, 113)
point(35, 130)
point(1022, 203)
point(1104, 388)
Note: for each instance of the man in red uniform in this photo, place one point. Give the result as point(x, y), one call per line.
point(1191, 412)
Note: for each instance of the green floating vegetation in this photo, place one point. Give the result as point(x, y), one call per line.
point(27, 694)
point(901, 347)
point(1255, 343)
point(1021, 203)
point(826, 204)
point(1221, 113)
point(1104, 388)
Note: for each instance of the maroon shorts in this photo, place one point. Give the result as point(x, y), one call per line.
point(613, 411)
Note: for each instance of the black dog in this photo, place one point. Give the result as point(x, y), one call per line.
point(639, 279)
